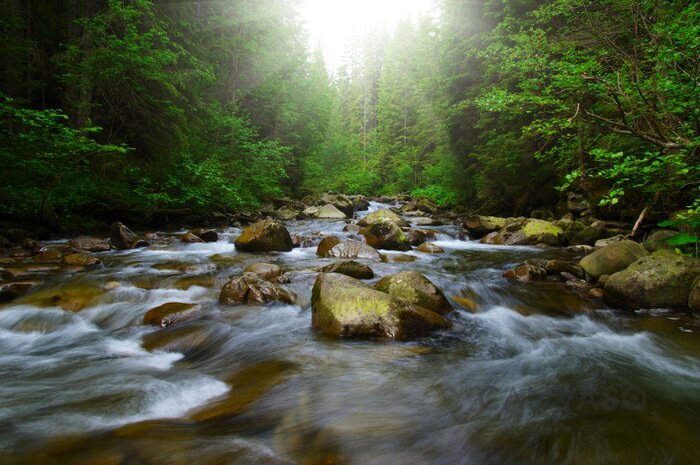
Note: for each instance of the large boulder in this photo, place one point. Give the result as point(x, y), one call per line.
point(89, 244)
point(350, 268)
point(543, 232)
point(415, 288)
point(527, 232)
point(353, 249)
point(425, 221)
point(330, 212)
point(613, 258)
point(251, 289)
point(385, 234)
point(590, 234)
point(345, 307)
point(124, 238)
point(383, 214)
point(310, 212)
point(264, 236)
point(660, 280)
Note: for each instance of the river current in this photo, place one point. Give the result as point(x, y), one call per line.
point(536, 374)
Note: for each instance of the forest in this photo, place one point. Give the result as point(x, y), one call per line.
point(496, 107)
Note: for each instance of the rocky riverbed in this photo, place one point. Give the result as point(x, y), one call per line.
point(349, 333)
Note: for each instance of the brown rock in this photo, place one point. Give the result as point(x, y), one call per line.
point(429, 247)
point(52, 255)
point(353, 249)
point(398, 258)
point(264, 236)
point(89, 244)
point(124, 238)
point(326, 244)
point(526, 273)
point(349, 268)
point(207, 235)
point(171, 313)
point(384, 234)
point(191, 238)
point(81, 259)
point(415, 288)
point(249, 288)
point(266, 271)
point(11, 291)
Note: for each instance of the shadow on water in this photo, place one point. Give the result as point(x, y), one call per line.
point(529, 374)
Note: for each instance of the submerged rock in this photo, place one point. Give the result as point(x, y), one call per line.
point(12, 291)
point(398, 258)
point(345, 307)
point(381, 215)
point(415, 288)
point(385, 234)
point(81, 259)
point(124, 238)
point(171, 313)
point(251, 289)
point(612, 258)
point(349, 268)
point(660, 280)
point(429, 247)
point(264, 236)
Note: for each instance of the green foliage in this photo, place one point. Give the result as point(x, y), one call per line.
point(47, 165)
point(688, 223)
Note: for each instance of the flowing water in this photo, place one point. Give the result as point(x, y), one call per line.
point(538, 374)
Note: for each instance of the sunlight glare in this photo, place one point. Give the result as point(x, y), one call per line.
point(332, 24)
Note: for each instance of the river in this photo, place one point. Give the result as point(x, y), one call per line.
point(539, 374)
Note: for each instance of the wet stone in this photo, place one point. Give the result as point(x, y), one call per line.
point(171, 313)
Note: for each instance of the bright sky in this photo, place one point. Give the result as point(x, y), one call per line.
point(334, 22)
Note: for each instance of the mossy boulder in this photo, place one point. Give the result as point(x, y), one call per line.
point(543, 232)
point(381, 215)
point(612, 258)
point(251, 289)
point(661, 280)
point(345, 307)
point(264, 236)
point(350, 268)
point(415, 288)
point(385, 234)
